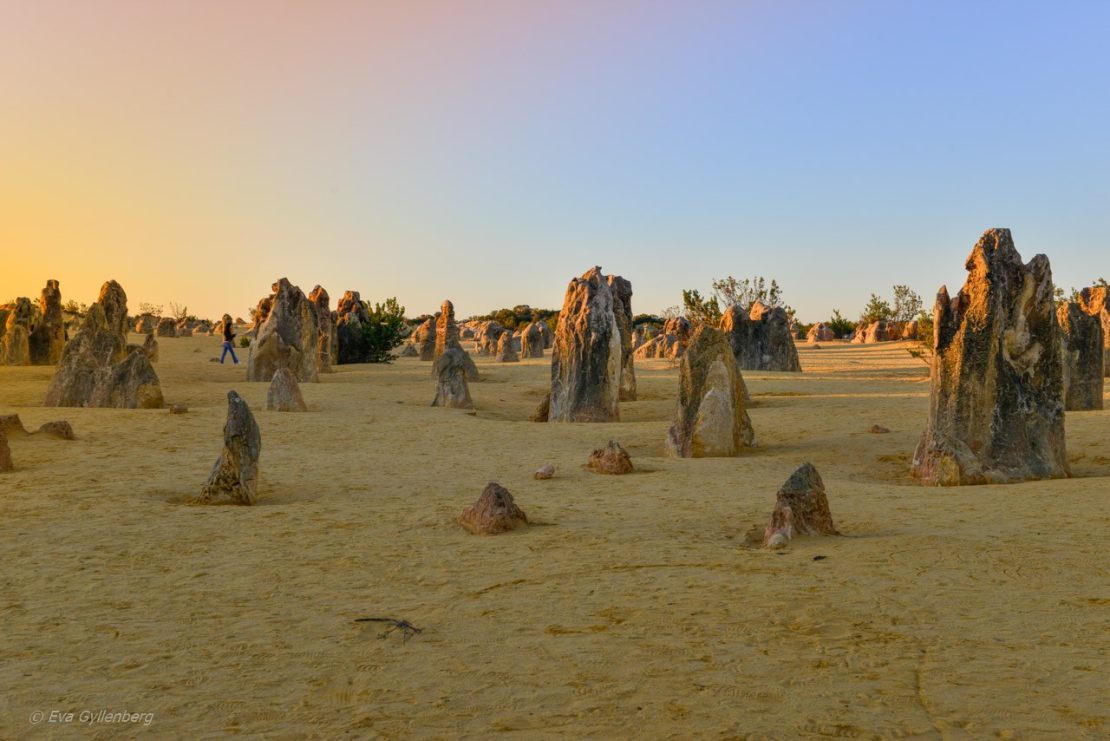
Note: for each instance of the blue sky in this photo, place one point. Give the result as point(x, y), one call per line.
point(489, 151)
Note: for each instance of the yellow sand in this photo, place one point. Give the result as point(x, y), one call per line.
point(632, 607)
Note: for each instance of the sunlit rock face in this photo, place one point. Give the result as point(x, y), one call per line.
point(996, 413)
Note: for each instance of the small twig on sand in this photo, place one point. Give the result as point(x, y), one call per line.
point(408, 630)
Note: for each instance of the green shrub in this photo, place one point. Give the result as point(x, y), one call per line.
point(700, 310)
point(839, 325)
point(519, 317)
point(385, 331)
point(925, 329)
point(877, 309)
point(244, 342)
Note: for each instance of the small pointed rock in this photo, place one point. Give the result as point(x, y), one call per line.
point(284, 394)
point(12, 424)
point(543, 410)
point(801, 508)
point(548, 471)
point(494, 512)
point(60, 429)
point(612, 459)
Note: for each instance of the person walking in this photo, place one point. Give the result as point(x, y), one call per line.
point(229, 335)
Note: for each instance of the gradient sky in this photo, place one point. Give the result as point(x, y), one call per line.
point(489, 151)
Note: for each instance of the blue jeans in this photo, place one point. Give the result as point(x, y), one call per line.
point(228, 349)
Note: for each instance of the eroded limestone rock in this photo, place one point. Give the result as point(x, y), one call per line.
point(287, 338)
point(532, 341)
point(761, 338)
point(1094, 301)
point(452, 390)
point(424, 340)
point(801, 508)
point(494, 512)
point(586, 359)
point(996, 412)
point(235, 472)
point(284, 394)
point(97, 369)
point(48, 338)
point(327, 345)
point(612, 460)
point(1082, 347)
point(447, 338)
point(710, 418)
point(505, 351)
point(167, 327)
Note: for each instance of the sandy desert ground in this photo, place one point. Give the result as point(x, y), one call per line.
point(632, 607)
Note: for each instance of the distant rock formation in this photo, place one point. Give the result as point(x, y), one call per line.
point(505, 351)
point(167, 327)
point(351, 316)
point(150, 347)
point(284, 394)
point(612, 460)
point(287, 338)
point(761, 339)
point(452, 389)
point(548, 336)
point(621, 291)
point(487, 337)
point(265, 304)
point(1082, 348)
point(15, 332)
point(710, 418)
point(532, 341)
point(819, 333)
point(235, 472)
point(665, 345)
point(680, 327)
point(801, 508)
point(95, 368)
point(494, 512)
point(883, 330)
point(1094, 302)
point(586, 360)
point(48, 337)
point(145, 324)
point(447, 338)
point(996, 412)
point(327, 345)
point(424, 340)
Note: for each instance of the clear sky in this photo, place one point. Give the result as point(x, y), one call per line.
point(488, 151)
